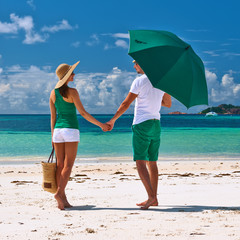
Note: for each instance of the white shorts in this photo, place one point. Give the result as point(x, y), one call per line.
point(61, 135)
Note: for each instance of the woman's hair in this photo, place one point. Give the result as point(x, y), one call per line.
point(64, 90)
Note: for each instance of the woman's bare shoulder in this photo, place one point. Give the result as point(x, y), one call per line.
point(52, 96)
point(52, 93)
point(73, 91)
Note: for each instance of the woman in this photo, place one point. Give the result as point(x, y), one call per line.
point(65, 130)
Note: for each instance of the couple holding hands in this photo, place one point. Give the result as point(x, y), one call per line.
point(146, 129)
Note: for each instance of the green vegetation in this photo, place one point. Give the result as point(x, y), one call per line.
point(223, 109)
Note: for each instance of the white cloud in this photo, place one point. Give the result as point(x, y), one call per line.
point(212, 53)
point(231, 54)
point(8, 27)
point(109, 40)
point(222, 52)
point(15, 68)
point(224, 91)
point(31, 4)
point(4, 88)
point(197, 40)
point(63, 25)
point(227, 80)
point(121, 35)
point(225, 44)
point(1, 70)
point(236, 90)
point(94, 40)
point(27, 90)
point(24, 89)
point(76, 44)
point(22, 23)
point(121, 43)
point(107, 46)
point(104, 92)
point(27, 25)
point(31, 38)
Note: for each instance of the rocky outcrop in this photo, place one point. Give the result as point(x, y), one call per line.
point(177, 112)
point(223, 109)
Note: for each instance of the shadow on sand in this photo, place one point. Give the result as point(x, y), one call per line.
point(161, 208)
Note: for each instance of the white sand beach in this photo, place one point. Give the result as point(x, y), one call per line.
point(197, 200)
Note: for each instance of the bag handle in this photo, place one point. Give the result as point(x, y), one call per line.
point(50, 159)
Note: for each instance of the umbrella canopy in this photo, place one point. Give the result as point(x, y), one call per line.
point(171, 65)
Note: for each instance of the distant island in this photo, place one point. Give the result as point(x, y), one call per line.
point(177, 113)
point(223, 109)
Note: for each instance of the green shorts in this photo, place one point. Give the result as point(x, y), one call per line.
point(146, 140)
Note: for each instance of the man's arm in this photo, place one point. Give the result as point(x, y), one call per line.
point(122, 108)
point(166, 100)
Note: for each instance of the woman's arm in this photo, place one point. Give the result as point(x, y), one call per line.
point(166, 100)
point(52, 110)
point(76, 100)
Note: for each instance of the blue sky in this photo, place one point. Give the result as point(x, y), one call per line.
point(36, 36)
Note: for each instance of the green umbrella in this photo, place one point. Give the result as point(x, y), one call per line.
point(171, 65)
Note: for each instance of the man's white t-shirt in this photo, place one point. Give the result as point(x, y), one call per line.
point(148, 102)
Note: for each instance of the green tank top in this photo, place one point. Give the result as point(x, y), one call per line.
point(66, 113)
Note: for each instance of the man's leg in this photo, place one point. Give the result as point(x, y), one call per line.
point(153, 176)
point(153, 173)
point(152, 163)
point(145, 178)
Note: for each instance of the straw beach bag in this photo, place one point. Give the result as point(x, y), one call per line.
point(49, 174)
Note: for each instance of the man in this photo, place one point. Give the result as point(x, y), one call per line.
point(146, 131)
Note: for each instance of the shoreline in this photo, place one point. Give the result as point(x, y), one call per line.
point(124, 159)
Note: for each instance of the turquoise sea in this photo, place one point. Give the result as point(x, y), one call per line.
point(187, 137)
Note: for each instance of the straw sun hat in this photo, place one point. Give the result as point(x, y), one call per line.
point(63, 72)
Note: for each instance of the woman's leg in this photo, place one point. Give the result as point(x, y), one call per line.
point(70, 152)
point(70, 156)
point(60, 155)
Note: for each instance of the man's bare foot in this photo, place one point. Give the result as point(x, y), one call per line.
point(59, 201)
point(144, 203)
point(149, 203)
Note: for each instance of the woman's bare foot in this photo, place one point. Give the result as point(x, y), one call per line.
point(144, 203)
point(149, 203)
point(59, 201)
point(66, 203)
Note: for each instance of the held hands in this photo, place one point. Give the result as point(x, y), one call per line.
point(111, 124)
point(105, 127)
point(108, 126)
